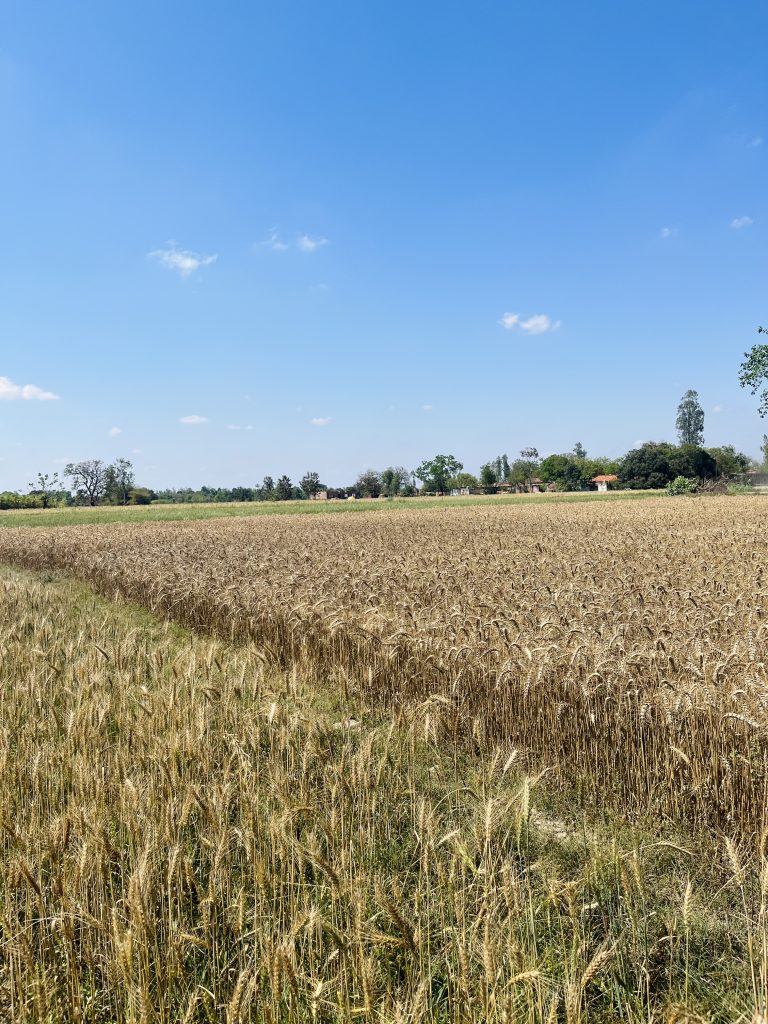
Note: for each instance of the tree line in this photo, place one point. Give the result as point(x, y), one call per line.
point(653, 464)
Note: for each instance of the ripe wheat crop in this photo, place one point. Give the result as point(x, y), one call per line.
point(619, 645)
point(188, 834)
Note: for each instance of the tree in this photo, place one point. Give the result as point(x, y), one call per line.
point(120, 480)
point(369, 484)
point(579, 451)
point(764, 449)
point(647, 467)
point(728, 461)
point(310, 484)
point(529, 458)
point(89, 479)
point(690, 461)
point(268, 488)
point(44, 486)
point(462, 480)
point(690, 419)
point(393, 480)
point(488, 475)
point(283, 489)
point(435, 473)
point(562, 470)
point(753, 373)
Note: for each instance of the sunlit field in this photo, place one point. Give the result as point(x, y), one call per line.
point(160, 513)
point(456, 763)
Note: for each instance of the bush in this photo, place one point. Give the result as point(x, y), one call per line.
point(740, 489)
point(681, 485)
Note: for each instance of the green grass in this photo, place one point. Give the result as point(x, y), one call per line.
point(165, 513)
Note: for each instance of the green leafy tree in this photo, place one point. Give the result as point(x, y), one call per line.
point(753, 373)
point(689, 461)
point(764, 450)
point(435, 473)
point(120, 480)
point(728, 461)
point(488, 476)
point(393, 480)
point(462, 480)
point(283, 489)
point(647, 467)
point(565, 471)
point(690, 419)
point(529, 462)
point(268, 489)
point(45, 486)
point(310, 484)
point(369, 484)
point(89, 479)
point(579, 451)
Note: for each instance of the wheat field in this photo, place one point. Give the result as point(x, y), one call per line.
point(461, 765)
point(621, 644)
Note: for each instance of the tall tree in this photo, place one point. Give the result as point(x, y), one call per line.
point(89, 479)
point(764, 449)
point(529, 457)
point(393, 480)
point(579, 451)
point(753, 373)
point(120, 479)
point(268, 487)
point(487, 475)
point(435, 473)
point(44, 486)
point(369, 484)
point(690, 419)
point(283, 489)
point(310, 484)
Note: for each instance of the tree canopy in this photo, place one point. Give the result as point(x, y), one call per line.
point(690, 419)
point(754, 372)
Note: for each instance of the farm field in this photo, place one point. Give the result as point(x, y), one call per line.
point(482, 763)
point(167, 513)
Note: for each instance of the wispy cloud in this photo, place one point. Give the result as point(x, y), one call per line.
point(273, 241)
point(717, 408)
point(754, 142)
point(539, 323)
point(136, 451)
point(307, 244)
point(741, 222)
point(427, 408)
point(10, 392)
point(233, 426)
point(320, 421)
point(114, 431)
point(193, 420)
point(182, 261)
point(668, 232)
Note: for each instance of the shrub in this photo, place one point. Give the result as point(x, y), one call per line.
point(681, 485)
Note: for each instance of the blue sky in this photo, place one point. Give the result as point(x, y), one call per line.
point(365, 233)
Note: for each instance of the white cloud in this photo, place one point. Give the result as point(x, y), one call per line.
point(135, 451)
point(755, 142)
point(181, 260)
point(668, 233)
point(717, 408)
point(539, 323)
point(427, 408)
point(274, 242)
point(232, 426)
point(114, 431)
point(320, 421)
point(307, 244)
point(10, 392)
point(193, 420)
point(249, 427)
point(741, 222)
